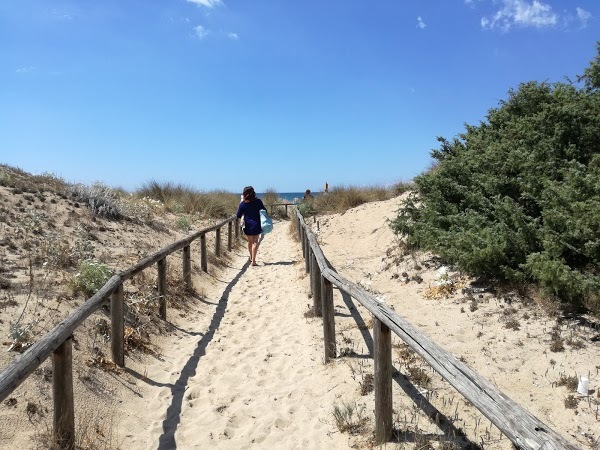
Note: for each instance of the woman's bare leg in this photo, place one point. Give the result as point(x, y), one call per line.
point(254, 251)
point(249, 239)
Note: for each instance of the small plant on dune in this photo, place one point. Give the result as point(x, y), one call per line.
point(307, 209)
point(102, 200)
point(91, 276)
point(19, 333)
point(419, 376)
point(570, 382)
point(571, 402)
point(512, 324)
point(367, 385)
point(32, 221)
point(350, 417)
point(183, 223)
point(5, 178)
point(58, 252)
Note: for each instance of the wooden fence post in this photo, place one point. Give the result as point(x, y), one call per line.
point(203, 256)
point(237, 228)
point(308, 252)
point(382, 338)
point(218, 242)
point(229, 236)
point(62, 393)
point(187, 267)
point(328, 319)
point(117, 330)
point(162, 288)
point(315, 282)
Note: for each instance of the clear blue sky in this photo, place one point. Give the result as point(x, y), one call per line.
point(275, 93)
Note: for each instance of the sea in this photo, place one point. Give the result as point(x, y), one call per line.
point(292, 197)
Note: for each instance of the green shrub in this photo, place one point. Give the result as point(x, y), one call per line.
point(5, 179)
point(20, 333)
point(91, 276)
point(307, 209)
point(518, 197)
point(183, 223)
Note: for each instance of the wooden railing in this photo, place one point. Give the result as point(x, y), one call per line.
point(286, 205)
point(58, 341)
point(523, 429)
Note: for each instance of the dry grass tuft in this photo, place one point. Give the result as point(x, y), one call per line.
point(350, 418)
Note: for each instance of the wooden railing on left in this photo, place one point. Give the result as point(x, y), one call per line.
point(58, 342)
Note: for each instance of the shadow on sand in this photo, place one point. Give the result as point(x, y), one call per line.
point(445, 425)
point(173, 416)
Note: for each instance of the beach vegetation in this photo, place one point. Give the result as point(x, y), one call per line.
point(350, 417)
point(342, 198)
point(90, 277)
point(516, 198)
point(182, 199)
point(571, 402)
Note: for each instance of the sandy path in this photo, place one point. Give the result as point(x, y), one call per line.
point(247, 371)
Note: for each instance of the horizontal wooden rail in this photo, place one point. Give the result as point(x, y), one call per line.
point(523, 429)
point(163, 253)
point(20, 368)
point(286, 205)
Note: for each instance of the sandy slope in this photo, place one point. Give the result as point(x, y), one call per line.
point(474, 328)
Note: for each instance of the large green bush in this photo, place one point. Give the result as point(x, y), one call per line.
point(518, 196)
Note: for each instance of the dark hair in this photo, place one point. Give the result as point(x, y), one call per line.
point(249, 194)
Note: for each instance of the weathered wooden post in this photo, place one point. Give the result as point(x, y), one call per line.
point(187, 267)
point(229, 236)
point(63, 419)
point(308, 252)
point(310, 273)
point(237, 228)
point(203, 255)
point(162, 288)
point(302, 240)
point(117, 330)
point(218, 242)
point(315, 282)
point(328, 319)
point(382, 338)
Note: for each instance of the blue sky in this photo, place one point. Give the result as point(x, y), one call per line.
point(275, 93)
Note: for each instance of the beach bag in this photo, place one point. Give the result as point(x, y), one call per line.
point(265, 222)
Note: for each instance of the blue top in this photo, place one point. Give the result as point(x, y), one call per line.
point(251, 213)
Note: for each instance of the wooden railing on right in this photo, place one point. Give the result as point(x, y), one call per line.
point(523, 429)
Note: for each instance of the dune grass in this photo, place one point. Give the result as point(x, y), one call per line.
point(182, 199)
point(343, 198)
